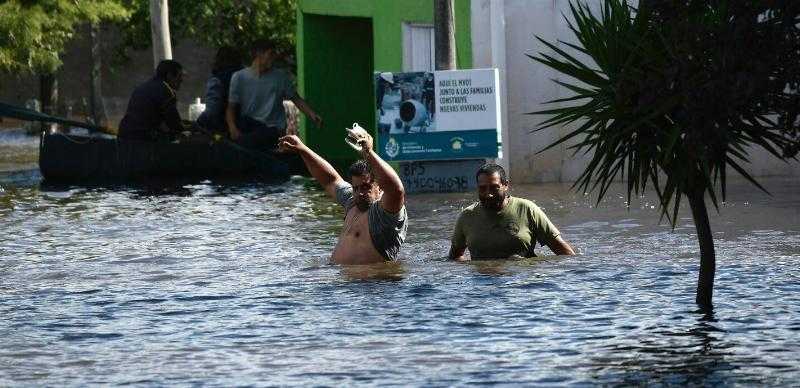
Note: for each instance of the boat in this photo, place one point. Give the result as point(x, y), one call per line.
point(93, 153)
point(86, 158)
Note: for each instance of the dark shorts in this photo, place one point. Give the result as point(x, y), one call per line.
point(257, 135)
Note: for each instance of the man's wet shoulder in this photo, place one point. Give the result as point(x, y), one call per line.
point(523, 203)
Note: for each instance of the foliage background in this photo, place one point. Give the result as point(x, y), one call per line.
point(33, 34)
point(683, 88)
point(216, 23)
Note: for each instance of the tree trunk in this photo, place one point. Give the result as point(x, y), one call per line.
point(444, 35)
point(98, 109)
point(705, 281)
point(159, 30)
point(48, 94)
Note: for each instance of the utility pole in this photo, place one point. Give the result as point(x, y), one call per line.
point(451, 171)
point(48, 93)
point(98, 110)
point(159, 29)
point(444, 34)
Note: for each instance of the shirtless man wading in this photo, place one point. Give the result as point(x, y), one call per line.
point(376, 221)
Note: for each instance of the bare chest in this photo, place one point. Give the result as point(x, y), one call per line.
point(355, 244)
point(356, 225)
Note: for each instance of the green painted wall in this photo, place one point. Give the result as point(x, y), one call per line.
point(334, 40)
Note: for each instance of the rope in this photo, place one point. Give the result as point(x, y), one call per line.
point(72, 139)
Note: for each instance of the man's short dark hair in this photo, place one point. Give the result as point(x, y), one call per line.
point(491, 168)
point(168, 67)
point(359, 168)
point(261, 46)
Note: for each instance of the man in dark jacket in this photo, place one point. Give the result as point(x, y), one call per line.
point(152, 110)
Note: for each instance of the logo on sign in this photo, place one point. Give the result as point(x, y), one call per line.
point(457, 144)
point(392, 148)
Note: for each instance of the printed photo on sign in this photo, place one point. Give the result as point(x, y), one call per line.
point(405, 102)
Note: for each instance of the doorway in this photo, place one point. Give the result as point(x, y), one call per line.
point(338, 70)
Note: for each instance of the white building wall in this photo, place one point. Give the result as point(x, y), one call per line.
point(529, 84)
point(480, 26)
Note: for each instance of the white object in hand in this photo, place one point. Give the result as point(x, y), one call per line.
point(354, 135)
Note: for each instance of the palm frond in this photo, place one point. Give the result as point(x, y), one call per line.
point(657, 96)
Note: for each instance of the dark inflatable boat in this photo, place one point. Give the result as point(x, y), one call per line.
point(88, 158)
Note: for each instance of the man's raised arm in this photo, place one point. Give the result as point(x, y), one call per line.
point(307, 110)
point(319, 168)
point(393, 191)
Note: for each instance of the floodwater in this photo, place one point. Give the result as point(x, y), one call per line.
point(230, 285)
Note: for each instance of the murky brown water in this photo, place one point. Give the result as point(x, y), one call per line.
point(18, 151)
point(230, 285)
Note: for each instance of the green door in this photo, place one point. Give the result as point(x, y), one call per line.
point(338, 66)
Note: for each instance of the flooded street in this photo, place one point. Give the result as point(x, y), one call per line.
point(18, 151)
point(230, 285)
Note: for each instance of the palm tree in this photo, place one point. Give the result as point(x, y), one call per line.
point(675, 94)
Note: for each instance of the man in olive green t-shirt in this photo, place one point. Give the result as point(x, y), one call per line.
point(500, 226)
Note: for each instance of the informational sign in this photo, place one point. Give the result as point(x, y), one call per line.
point(441, 115)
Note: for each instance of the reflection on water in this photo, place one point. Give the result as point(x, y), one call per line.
point(393, 271)
point(692, 357)
point(18, 150)
point(203, 283)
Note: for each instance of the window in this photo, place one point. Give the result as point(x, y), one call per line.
point(418, 47)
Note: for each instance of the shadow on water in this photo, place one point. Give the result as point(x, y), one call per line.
point(139, 189)
point(697, 356)
point(506, 267)
point(177, 187)
point(20, 178)
point(394, 271)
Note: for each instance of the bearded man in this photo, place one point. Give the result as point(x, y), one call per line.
point(500, 226)
point(375, 221)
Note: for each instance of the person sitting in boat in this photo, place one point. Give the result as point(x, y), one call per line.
point(152, 112)
point(375, 221)
point(226, 62)
point(500, 226)
point(255, 114)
